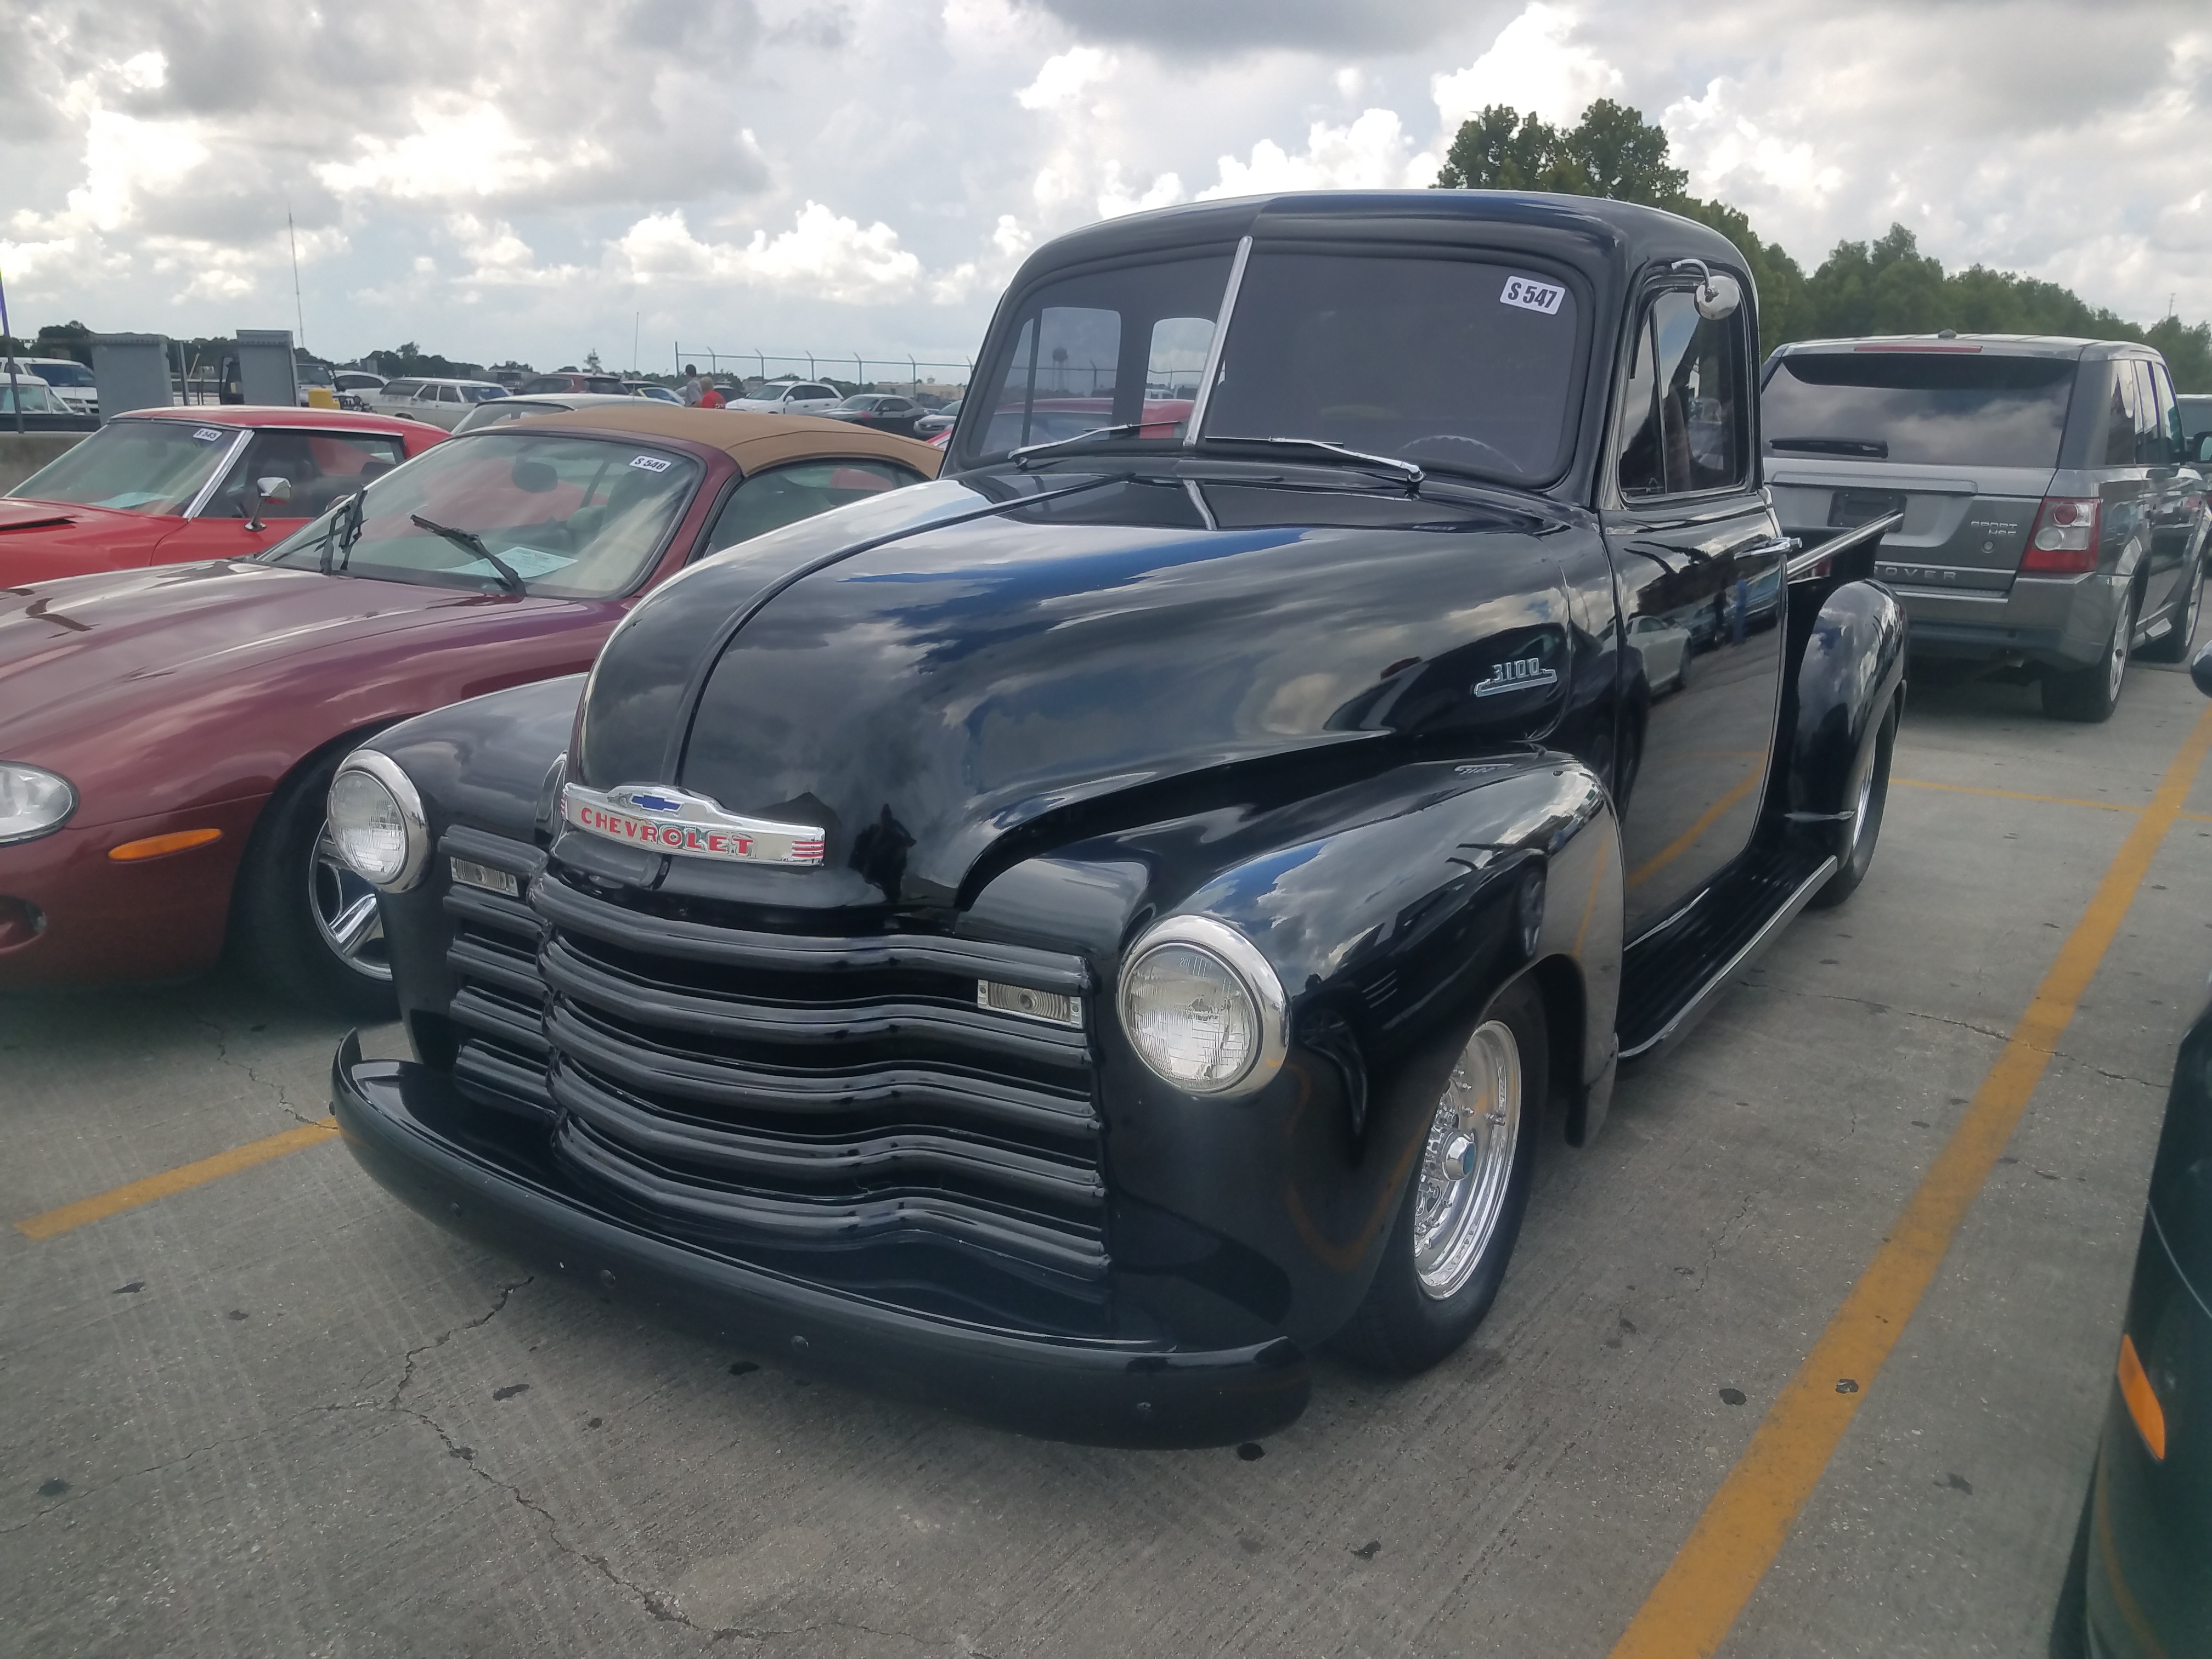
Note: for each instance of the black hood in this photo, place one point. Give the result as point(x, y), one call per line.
point(921, 689)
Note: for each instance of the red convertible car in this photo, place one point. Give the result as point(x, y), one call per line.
point(167, 736)
point(163, 486)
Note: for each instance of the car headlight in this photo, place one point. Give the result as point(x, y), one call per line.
point(1202, 1008)
point(32, 803)
point(377, 822)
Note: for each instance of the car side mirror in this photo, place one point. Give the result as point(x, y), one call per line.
point(2200, 668)
point(278, 490)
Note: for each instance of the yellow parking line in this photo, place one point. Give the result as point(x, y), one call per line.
point(2015, 794)
point(1712, 1577)
point(100, 1205)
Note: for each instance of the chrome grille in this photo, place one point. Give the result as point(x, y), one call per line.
point(789, 1093)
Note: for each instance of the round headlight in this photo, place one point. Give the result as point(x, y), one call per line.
point(1202, 1007)
point(377, 822)
point(32, 803)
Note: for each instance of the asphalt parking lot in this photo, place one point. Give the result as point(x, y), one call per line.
point(270, 1411)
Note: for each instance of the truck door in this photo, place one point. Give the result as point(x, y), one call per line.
point(1698, 561)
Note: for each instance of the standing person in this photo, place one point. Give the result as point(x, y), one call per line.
point(692, 392)
point(710, 397)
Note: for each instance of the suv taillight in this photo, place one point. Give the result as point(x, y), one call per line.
point(2063, 542)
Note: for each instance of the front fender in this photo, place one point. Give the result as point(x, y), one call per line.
point(1851, 670)
point(1392, 910)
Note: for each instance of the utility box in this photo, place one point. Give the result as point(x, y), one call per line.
point(265, 373)
point(131, 371)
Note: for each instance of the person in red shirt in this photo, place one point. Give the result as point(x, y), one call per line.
point(710, 397)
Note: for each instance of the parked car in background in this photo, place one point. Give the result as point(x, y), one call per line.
point(502, 410)
point(172, 732)
point(72, 381)
point(2138, 1587)
point(654, 390)
point(441, 402)
point(163, 486)
point(28, 401)
point(312, 377)
point(788, 397)
point(1073, 938)
point(2196, 415)
point(2055, 516)
point(940, 419)
point(354, 386)
point(881, 411)
point(568, 379)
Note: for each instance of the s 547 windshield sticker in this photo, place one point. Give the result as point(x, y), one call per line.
point(650, 463)
point(1533, 295)
point(210, 434)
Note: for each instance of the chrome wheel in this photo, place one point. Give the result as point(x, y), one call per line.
point(2116, 666)
point(1468, 1163)
point(1862, 808)
point(345, 913)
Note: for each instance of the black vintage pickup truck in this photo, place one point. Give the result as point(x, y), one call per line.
point(1068, 940)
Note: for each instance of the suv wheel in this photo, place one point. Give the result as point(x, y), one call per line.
point(2090, 694)
point(2172, 645)
point(1447, 1252)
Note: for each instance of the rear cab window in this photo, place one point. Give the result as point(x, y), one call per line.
point(784, 495)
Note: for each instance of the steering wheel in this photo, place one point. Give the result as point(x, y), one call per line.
point(1504, 462)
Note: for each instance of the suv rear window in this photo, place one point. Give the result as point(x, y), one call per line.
point(1934, 408)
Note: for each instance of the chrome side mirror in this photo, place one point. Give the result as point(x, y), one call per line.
point(1716, 296)
point(278, 490)
point(2200, 668)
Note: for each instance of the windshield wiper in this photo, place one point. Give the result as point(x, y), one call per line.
point(1874, 449)
point(474, 543)
point(1095, 433)
point(350, 516)
point(1409, 471)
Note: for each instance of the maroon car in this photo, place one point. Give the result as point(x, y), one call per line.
point(168, 735)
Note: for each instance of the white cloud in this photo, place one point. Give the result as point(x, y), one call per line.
point(1372, 153)
point(1063, 78)
point(461, 149)
point(1534, 64)
point(823, 254)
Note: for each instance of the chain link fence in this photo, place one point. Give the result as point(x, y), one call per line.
point(842, 368)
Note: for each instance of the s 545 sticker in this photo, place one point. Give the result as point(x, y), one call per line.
point(1533, 295)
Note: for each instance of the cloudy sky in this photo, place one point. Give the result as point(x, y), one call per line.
point(536, 181)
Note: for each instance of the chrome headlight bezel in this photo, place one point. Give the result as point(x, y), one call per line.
point(1242, 959)
point(415, 825)
point(59, 809)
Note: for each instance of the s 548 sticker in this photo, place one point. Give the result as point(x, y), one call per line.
point(651, 463)
point(1533, 295)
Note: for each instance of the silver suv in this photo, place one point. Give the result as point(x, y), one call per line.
point(2054, 511)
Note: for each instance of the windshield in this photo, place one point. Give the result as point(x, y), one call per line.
point(62, 374)
point(1465, 365)
point(478, 394)
point(571, 517)
point(1934, 408)
point(31, 396)
point(133, 466)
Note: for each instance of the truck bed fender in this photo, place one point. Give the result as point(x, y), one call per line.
point(1851, 671)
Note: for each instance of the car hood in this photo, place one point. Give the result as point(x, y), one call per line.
point(34, 534)
point(924, 690)
point(101, 652)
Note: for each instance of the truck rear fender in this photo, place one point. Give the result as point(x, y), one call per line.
point(1849, 676)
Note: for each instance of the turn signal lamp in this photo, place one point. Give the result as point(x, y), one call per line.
point(2064, 540)
point(155, 846)
point(2142, 1402)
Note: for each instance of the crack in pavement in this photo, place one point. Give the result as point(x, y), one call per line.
point(1943, 1019)
point(223, 1057)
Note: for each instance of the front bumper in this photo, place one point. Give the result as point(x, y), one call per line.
point(408, 1128)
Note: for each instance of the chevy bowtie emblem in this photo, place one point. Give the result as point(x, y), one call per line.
point(1521, 674)
point(677, 821)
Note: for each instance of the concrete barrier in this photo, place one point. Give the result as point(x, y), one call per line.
point(22, 453)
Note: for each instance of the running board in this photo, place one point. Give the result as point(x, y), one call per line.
point(1750, 908)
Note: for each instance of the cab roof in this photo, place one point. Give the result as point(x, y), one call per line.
point(753, 440)
point(328, 419)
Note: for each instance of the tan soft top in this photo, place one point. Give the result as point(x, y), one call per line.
point(752, 440)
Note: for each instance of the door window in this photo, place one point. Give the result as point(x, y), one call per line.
point(322, 467)
point(2164, 444)
point(1683, 408)
point(769, 500)
point(2120, 418)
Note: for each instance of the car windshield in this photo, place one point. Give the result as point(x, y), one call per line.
point(75, 374)
point(860, 403)
point(570, 517)
point(1463, 364)
point(478, 394)
point(134, 467)
point(1946, 407)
